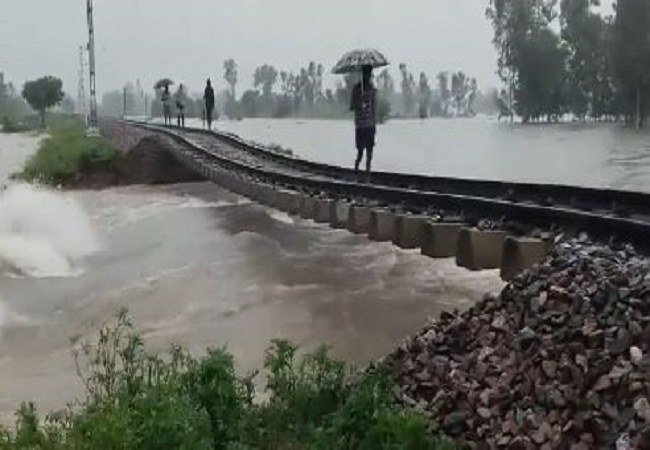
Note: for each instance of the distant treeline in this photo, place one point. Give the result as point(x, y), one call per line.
point(280, 94)
point(12, 106)
point(565, 57)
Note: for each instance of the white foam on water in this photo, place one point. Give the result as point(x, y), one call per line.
point(122, 207)
point(43, 233)
point(281, 217)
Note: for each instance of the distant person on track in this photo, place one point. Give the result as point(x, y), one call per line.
point(167, 106)
point(208, 98)
point(180, 106)
point(363, 104)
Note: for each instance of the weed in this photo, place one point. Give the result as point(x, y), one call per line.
point(66, 152)
point(138, 400)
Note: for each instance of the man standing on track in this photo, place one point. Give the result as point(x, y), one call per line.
point(363, 105)
point(180, 106)
point(208, 98)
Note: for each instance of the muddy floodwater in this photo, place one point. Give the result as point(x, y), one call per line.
point(199, 266)
point(595, 155)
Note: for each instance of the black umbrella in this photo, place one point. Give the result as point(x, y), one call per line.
point(161, 84)
point(355, 60)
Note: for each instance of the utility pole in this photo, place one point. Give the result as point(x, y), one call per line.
point(124, 102)
point(92, 121)
point(81, 90)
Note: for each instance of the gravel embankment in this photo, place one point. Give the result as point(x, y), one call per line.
point(560, 360)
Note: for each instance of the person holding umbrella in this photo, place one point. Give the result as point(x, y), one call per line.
point(165, 98)
point(363, 100)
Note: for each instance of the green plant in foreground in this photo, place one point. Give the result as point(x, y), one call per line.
point(138, 400)
point(66, 153)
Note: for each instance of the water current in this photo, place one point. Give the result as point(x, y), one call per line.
point(198, 266)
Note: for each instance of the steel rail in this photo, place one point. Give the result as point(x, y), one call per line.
point(475, 199)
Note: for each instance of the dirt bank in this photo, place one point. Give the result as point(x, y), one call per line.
point(143, 158)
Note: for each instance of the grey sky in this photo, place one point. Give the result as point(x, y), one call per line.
point(188, 40)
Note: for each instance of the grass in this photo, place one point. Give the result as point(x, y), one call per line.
point(280, 150)
point(137, 400)
point(66, 153)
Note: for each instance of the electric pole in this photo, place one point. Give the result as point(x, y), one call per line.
point(92, 120)
point(81, 89)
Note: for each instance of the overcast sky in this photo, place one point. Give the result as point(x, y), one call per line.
point(188, 40)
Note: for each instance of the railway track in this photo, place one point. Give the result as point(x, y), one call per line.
point(516, 207)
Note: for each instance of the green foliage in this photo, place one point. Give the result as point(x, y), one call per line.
point(137, 400)
point(66, 152)
point(43, 93)
point(632, 57)
point(596, 67)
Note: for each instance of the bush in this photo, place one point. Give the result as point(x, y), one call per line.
point(136, 400)
point(10, 125)
point(66, 153)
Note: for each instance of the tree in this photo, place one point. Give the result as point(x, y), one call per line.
point(424, 96)
point(385, 83)
point(589, 80)
point(471, 99)
point(4, 91)
point(266, 77)
point(249, 103)
point(284, 106)
point(459, 91)
point(632, 57)
point(67, 105)
point(231, 77)
point(408, 90)
point(444, 92)
point(43, 93)
point(528, 52)
point(344, 90)
point(382, 109)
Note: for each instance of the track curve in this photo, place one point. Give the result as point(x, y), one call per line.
point(604, 213)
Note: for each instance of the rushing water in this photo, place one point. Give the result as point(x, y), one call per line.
point(199, 266)
point(597, 155)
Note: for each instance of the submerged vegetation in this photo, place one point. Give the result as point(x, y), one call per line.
point(559, 57)
point(137, 400)
point(66, 153)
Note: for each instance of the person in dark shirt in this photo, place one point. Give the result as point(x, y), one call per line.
point(208, 98)
point(363, 104)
